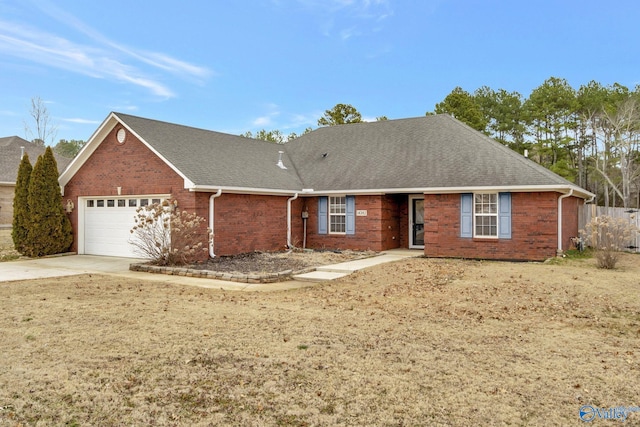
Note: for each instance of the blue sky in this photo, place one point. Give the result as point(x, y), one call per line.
point(237, 66)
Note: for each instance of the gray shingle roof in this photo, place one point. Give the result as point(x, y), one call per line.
point(424, 152)
point(11, 152)
point(416, 153)
point(210, 158)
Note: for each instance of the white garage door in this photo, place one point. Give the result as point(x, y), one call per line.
point(108, 223)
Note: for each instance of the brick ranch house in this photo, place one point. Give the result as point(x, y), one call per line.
point(429, 183)
point(11, 149)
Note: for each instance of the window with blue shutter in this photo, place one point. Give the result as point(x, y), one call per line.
point(351, 215)
point(466, 215)
point(323, 215)
point(483, 207)
point(504, 219)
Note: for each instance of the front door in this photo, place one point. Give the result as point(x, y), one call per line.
point(416, 222)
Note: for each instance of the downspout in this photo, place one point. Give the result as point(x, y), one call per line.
point(213, 196)
point(295, 196)
point(564, 196)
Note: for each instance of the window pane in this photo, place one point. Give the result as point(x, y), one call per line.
point(144, 202)
point(121, 203)
point(338, 224)
point(155, 201)
point(111, 203)
point(133, 203)
point(337, 214)
point(337, 205)
point(89, 203)
point(100, 203)
point(486, 226)
point(493, 203)
point(486, 203)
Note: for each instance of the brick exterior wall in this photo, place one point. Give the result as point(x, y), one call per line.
point(381, 229)
point(246, 223)
point(534, 218)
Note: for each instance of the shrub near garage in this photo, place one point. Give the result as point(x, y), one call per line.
point(20, 225)
point(167, 236)
point(49, 229)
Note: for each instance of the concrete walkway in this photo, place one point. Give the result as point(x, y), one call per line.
point(336, 271)
point(72, 265)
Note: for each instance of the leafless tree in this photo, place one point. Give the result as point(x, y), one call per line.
point(45, 131)
point(620, 132)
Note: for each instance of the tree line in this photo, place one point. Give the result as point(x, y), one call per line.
point(588, 135)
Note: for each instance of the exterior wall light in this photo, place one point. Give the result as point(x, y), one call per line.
point(68, 207)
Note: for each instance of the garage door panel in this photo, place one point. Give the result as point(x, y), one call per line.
point(107, 230)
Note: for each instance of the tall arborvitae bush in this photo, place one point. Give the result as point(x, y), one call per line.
point(20, 226)
point(49, 230)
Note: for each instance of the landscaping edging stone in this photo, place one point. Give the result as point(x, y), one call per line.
point(281, 276)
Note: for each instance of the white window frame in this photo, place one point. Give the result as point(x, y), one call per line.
point(334, 202)
point(495, 214)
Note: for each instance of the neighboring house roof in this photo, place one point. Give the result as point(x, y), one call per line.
point(424, 154)
point(11, 155)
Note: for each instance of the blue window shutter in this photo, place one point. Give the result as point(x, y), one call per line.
point(466, 215)
point(504, 214)
point(323, 203)
point(351, 215)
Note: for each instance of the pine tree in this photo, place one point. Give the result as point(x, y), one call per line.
point(50, 230)
point(20, 209)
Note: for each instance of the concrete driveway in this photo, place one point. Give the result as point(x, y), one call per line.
point(59, 266)
point(72, 265)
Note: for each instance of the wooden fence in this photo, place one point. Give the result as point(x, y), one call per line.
point(586, 212)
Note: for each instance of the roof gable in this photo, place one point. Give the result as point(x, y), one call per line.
point(205, 159)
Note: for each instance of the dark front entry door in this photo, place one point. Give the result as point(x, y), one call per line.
point(417, 214)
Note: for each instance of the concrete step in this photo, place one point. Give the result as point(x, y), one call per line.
point(320, 276)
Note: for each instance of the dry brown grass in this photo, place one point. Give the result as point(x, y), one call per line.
point(417, 342)
point(7, 252)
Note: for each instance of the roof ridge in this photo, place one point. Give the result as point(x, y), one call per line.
point(123, 117)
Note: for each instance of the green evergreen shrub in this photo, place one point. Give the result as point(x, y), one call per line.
point(20, 225)
point(49, 231)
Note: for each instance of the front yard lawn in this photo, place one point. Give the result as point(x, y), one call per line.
point(416, 342)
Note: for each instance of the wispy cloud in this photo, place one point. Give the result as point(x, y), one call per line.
point(81, 121)
point(122, 108)
point(262, 121)
point(347, 33)
point(267, 119)
point(350, 18)
point(100, 58)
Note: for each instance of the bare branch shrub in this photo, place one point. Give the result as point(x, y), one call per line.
point(168, 237)
point(608, 236)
